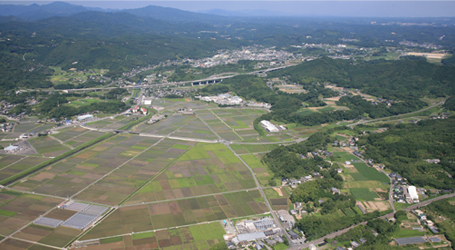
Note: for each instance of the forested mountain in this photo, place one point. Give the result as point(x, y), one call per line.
point(404, 148)
point(36, 12)
point(385, 79)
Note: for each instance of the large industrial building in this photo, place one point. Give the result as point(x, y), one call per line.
point(270, 127)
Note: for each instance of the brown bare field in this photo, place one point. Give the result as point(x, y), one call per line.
point(333, 99)
point(99, 148)
point(427, 55)
point(278, 190)
point(42, 176)
point(85, 155)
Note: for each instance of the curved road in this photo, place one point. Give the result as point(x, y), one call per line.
point(388, 117)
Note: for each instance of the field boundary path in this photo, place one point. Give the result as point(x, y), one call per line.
point(277, 222)
point(62, 143)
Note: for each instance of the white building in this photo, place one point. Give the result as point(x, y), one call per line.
point(413, 194)
point(83, 117)
point(269, 126)
point(147, 101)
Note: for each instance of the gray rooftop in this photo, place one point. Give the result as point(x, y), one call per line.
point(410, 240)
point(251, 236)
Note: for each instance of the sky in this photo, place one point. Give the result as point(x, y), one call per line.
point(358, 8)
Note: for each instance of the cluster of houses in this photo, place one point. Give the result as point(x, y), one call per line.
point(186, 111)
point(401, 191)
point(423, 220)
point(156, 118)
point(137, 109)
point(222, 99)
point(354, 244)
point(7, 127)
point(319, 152)
point(259, 104)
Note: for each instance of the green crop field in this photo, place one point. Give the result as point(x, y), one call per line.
point(371, 173)
point(192, 237)
point(179, 213)
point(203, 169)
point(364, 194)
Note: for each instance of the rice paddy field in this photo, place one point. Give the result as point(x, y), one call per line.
point(18, 209)
point(148, 161)
point(176, 213)
point(14, 244)
point(191, 237)
point(18, 166)
point(47, 146)
point(57, 237)
point(76, 136)
point(68, 176)
point(196, 129)
point(263, 174)
point(111, 123)
point(166, 126)
point(203, 169)
point(29, 125)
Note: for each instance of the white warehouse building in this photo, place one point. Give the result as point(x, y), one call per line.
point(413, 194)
point(269, 126)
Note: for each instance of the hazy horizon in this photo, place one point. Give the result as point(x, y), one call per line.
point(288, 8)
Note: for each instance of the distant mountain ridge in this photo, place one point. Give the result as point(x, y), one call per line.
point(36, 12)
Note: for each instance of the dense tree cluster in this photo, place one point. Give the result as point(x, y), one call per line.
point(285, 161)
point(54, 107)
point(404, 148)
point(395, 80)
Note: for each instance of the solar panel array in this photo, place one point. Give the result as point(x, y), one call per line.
point(79, 220)
point(85, 217)
point(95, 210)
point(48, 222)
point(76, 206)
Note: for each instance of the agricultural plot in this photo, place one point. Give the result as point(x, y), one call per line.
point(369, 173)
point(17, 209)
point(13, 244)
point(239, 118)
point(20, 166)
point(68, 176)
point(166, 126)
point(253, 148)
point(118, 185)
point(247, 133)
point(263, 174)
point(344, 156)
point(196, 129)
point(204, 169)
point(278, 197)
point(69, 133)
point(364, 194)
point(192, 237)
point(58, 237)
point(178, 213)
point(47, 146)
point(83, 102)
point(111, 123)
point(77, 136)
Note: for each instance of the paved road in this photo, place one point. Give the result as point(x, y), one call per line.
point(395, 116)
